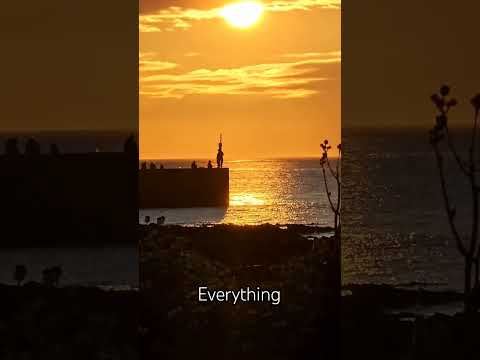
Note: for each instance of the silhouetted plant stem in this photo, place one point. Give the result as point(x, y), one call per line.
point(328, 191)
point(469, 248)
point(450, 210)
point(454, 152)
point(476, 189)
point(336, 174)
point(477, 280)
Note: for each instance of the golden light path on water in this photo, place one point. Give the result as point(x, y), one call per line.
point(246, 199)
point(261, 191)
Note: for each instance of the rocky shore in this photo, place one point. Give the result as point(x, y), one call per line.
point(176, 261)
point(166, 320)
point(40, 322)
point(378, 323)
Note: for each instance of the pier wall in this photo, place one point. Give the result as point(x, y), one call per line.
point(180, 188)
point(71, 199)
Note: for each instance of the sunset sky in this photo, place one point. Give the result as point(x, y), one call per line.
point(270, 86)
point(68, 66)
point(397, 53)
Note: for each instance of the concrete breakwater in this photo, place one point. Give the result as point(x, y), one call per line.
point(68, 199)
point(180, 188)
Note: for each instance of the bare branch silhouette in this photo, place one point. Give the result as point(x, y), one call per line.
point(336, 174)
point(468, 247)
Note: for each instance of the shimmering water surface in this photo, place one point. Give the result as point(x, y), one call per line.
point(113, 267)
point(395, 228)
point(261, 191)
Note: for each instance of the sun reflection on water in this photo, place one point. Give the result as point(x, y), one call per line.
point(262, 191)
point(245, 199)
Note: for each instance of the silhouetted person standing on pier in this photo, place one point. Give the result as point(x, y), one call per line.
point(54, 150)
point(130, 147)
point(32, 148)
point(11, 147)
point(220, 154)
point(209, 164)
point(194, 165)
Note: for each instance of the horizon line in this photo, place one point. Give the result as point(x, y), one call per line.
point(302, 157)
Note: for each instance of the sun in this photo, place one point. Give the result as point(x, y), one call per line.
point(242, 14)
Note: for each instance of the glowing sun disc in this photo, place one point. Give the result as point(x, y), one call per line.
point(243, 14)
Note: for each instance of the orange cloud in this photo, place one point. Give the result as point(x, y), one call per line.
point(298, 79)
point(147, 63)
point(305, 55)
point(150, 6)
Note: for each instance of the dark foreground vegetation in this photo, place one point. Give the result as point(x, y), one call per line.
point(176, 260)
point(166, 320)
point(44, 322)
point(378, 323)
point(370, 321)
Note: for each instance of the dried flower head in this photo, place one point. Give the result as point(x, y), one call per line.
point(444, 90)
point(476, 102)
point(438, 101)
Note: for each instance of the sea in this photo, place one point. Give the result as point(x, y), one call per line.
point(275, 191)
point(395, 229)
point(109, 268)
point(394, 225)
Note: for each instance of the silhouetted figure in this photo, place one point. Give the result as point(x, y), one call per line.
point(32, 148)
point(194, 165)
point(20, 274)
point(144, 166)
point(220, 154)
point(147, 219)
point(152, 166)
point(130, 147)
point(160, 220)
point(57, 272)
point(54, 150)
point(209, 164)
point(47, 277)
point(51, 276)
point(11, 147)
